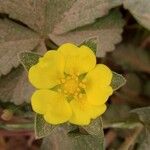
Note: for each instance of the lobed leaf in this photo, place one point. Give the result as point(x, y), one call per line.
point(95, 128)
point(143, 114)
point(144, 140)
point(41, 127)
point(60, 139)
point(14, 38)
point(140, 10)
point(130, 56)
point(59, 16)
point(106, 30)
point(15, 88)
point(119, 110)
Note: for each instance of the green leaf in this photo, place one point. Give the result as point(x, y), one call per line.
point(95, 128)
point(64, 141)
point(44, 17)
point(14, 38)
point(41, 127)
point(133, 86)
point(143, 114)
point(147, 88)
point(144, 139)
point(28, 59)
point(84, 12)
point(130, 56)
point(119, 110)
point(91, 43)
point(59, 15)
point(74, 137)
point(15, 88)
point(124, 119)
point(117, 81)
point(140, 9)
point(107, 30)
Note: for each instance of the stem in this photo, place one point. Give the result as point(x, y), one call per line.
point(130, 140)
point(130, 125)
point(14, 127)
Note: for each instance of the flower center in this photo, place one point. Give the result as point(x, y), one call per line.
point(72, 87)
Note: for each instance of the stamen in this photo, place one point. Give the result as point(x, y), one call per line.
point(83, 81)
point(59, 90)
point(82, 85)
point(63, 80)
point(76, 94)
point(78, 89)
point(69, 77)
point(80, 95)
point(71, 87)
point(65, 91)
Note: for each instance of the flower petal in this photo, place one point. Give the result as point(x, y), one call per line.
point(48, 71)
point(96, 111)
point(83, 112)
point(97, 82)
point(80, 115)
point(40, 100)
point(100, 75)
point(59, 113)
point(77, 59)
point(99, 95)
point(55, 108)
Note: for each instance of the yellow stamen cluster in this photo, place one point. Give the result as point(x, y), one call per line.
point(72, 86)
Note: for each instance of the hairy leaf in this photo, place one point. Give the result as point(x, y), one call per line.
point(28, 59)
point(40, 15)
point(91, 43)
point(61, 140)
point(41, 127)
point(59, 15)
point(143, 114)
point(147, 88)
point(44, 16)
point(117, 81)
point(133, 85)
point(119, 110)
point(129, 57)
point(144, 140)
point(95, 128)
point(107, 30)
point(14, 38)
point(140, 9)
point(84, 12)
point(15, 87)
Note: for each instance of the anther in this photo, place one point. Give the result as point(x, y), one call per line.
point(76, 78)
point(80, 95)
point(59, 90)
point(82, 85)
point(83, 81)
point(65, 92)
point(75, 95)
point(68, 78)
point(62, 80)
point(78, 89)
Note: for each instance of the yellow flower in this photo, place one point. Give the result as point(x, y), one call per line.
point(71, 87)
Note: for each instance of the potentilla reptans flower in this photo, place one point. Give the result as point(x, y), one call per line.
point(71, 87)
